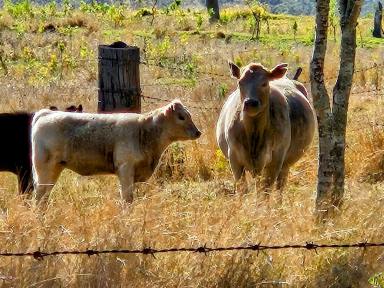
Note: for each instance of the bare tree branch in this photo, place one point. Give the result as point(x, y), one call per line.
point(355, 13)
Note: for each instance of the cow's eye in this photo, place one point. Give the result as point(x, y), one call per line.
point(181, 118)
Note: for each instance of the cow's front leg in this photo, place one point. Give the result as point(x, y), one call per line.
point(238, 172)
point(272, 170)
point(282, 181)
point(126, 174)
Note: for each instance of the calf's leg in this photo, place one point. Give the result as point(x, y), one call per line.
point(45, 179)
point(126, 174)
point(46, 171)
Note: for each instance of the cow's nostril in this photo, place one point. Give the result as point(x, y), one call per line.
point(198, 134)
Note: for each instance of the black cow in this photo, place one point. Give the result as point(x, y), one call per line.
point(15, 147)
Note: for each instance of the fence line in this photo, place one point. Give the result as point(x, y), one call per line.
point(360, 70)
point(39, 255)
point(154, 100)
point(184, 70)
point(193, 103)
point(183, 57)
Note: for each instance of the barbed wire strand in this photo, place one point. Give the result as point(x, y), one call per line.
point(160, 65)
point(39, 255)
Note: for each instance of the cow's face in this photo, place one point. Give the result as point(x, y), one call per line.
point(179, 122)
point(254, 85)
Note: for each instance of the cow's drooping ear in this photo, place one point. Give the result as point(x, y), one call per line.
point(279, 71)
point(235, 70)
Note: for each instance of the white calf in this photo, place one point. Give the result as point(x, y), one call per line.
point(129, 145)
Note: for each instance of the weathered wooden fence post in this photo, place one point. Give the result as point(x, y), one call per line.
point(119, 78)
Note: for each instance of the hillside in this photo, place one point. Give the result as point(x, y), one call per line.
point(298, 7)
point(293, 7)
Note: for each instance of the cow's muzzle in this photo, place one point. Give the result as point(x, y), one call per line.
point(252, 107)
point(197, 134)
point(194, 133)
point(252, 103)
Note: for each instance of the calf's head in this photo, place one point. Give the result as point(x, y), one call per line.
point(254, 87)
point(178, 122)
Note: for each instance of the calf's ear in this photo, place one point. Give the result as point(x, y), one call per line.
point(279, 71)
point(79, 108)
point(235, 70)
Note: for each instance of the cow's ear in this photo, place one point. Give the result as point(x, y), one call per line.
point(79, 108)
point(170, 109)
point(235, 70)
point(279, 71)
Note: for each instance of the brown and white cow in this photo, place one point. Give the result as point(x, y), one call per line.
point(127, 144)
point(15, 146)
point(266, 124)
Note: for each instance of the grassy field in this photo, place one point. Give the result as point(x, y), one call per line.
point(49, 57)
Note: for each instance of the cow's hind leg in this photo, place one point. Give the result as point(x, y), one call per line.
point(25, 181)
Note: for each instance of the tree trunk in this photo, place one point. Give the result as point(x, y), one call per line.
point(349, 15)
point(322, 104)
point(341, 94)
point(213, 10)
point(377, 28)
point(332, 121)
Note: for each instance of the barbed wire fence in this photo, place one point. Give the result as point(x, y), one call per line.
point(201, 105)
point(175, 60)
point(309, 246)
point(151, 99)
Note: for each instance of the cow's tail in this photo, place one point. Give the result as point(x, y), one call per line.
point(40, 114)
point(299, 85)
point(298, 73)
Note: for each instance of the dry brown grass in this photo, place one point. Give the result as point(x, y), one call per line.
point(189, 201)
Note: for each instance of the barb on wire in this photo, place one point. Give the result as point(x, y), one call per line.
point(39, 255)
